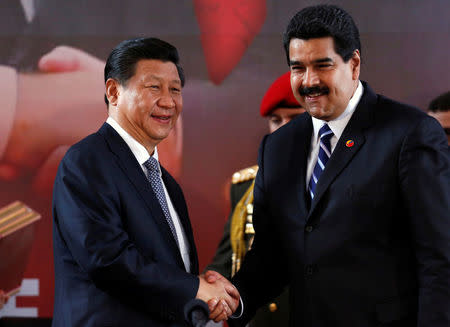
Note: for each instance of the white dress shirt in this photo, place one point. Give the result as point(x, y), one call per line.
point(337, 126)
point(142, 155)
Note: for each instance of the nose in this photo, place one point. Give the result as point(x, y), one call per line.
point(310, 78)
point(166, 100)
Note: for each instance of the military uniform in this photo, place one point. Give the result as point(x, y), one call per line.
point(237, 239)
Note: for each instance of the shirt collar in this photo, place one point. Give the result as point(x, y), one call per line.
point(139, 151)
point(338, 125)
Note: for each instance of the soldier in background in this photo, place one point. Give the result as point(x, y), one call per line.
point(280, 107)
point(439, 108)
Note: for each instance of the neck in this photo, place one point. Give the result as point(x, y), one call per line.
point(355, 86)
point(150, 149)
point(135, 134)
point(148, 145)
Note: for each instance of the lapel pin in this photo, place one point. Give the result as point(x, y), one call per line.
point(349, 143)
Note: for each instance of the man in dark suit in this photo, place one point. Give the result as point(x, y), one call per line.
point(351, 201)
point(123, 244)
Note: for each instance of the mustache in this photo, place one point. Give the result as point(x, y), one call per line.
point(312, 90)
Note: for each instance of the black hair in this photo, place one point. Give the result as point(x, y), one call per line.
point(441, 103)
point(323, 21)
point(121, 63)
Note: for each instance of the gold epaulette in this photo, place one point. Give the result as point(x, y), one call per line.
point(244, 175)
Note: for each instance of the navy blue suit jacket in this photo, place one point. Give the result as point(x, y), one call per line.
point(116, 261)
point(373, 247)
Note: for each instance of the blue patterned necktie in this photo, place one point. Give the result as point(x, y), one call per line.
point(325, 135)
point(155, 181)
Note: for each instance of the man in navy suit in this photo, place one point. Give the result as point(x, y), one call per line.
point(351, 201)
point(123, 244)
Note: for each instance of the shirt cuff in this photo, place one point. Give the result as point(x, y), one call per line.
point(234, 316)
point(8, 101)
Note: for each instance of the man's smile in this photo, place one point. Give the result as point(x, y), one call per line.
point(161, 118)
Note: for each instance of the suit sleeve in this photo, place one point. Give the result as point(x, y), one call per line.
point(263, 275)
point(89, 229)
point(424, 172)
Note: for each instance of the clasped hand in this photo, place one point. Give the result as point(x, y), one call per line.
point(220, 295)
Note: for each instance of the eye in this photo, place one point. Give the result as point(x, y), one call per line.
point(176, 90)
point(297, 68)
point(275, 120)
point(324, 65)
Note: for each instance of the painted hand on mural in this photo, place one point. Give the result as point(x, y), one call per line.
point(56, 108)
point(227, 29)
point(64, 59)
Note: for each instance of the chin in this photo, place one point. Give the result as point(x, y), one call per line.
point(317, 113)
point(161, 133)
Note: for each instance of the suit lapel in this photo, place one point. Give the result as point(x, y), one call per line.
point(136, 176)
point(362, 118)
point(300, 149)
point(178, 201)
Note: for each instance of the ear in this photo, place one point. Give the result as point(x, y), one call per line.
point(355, 62)
point(112, 91)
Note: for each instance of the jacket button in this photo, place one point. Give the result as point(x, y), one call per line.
point(309, 228)
point(273, 307)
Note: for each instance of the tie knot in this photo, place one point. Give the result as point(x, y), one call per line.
point(151, 164)
point(325, 131)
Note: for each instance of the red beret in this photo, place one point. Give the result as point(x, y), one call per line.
point(279, 95)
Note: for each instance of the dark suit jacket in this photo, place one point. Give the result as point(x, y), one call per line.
point(116, 262)
point(373, 248)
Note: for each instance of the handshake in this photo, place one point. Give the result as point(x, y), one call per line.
point(220, 295)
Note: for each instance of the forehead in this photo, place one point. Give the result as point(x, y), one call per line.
point(312, 49)
point(158, 69)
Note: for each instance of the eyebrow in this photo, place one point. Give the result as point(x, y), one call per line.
point(327, 59)
point(177, 81)
point(317, 61)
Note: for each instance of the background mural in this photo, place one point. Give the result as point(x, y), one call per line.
point(51, 86)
